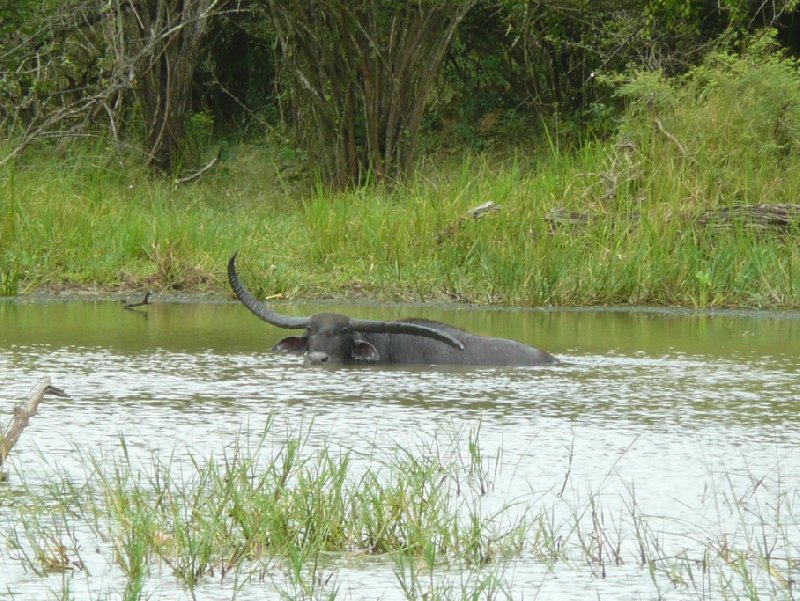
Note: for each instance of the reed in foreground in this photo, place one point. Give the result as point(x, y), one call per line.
point(427, 519)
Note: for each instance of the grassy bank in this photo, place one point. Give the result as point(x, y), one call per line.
point(294, 517)
point(634, 219)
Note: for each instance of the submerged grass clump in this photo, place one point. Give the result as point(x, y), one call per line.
point(293, 517)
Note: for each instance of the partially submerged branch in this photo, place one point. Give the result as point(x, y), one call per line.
point(22, 415)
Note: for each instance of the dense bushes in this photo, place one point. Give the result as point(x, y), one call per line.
point(645, 216)
point(347, 84)
point(730, 126)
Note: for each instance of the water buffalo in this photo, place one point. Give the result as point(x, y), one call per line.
point(334, 339)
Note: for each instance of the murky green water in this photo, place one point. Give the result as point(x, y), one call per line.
point(696, 416)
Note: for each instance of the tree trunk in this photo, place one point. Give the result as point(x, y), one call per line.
point(362, 75)
point(163, 39)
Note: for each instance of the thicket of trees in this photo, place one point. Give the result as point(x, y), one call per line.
point(355, 81)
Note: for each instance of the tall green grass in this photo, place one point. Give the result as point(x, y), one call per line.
point(725, 134)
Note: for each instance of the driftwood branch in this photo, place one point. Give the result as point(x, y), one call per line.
point(193, 176)
point(473, 214)
point(22, 415)
point(759, 217)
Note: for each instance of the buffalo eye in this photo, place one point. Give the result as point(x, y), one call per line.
point(344, 330)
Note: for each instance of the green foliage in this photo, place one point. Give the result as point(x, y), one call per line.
point(731, 125)
point(31, 35)
point(355, 80)
point(634, 219)
point(238, 71)
point(9, 282)
point(755, 100)
point(550, 59)
point(199, 135)
point(360, 77)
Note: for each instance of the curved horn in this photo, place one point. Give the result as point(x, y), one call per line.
point(404, 327)
point(259, 309)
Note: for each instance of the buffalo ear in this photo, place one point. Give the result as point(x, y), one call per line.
point(291, 344)
point(364, 351)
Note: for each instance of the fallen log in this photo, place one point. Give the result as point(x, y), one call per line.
point(779, 218)
point(763, 217)
point(560, 218)
point(22, 415)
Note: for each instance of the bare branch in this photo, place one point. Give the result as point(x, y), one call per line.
point(146, 48)
point(22, 415)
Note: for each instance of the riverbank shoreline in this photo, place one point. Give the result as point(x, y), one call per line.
point(690, 200)
point(342, 303)
point(411, 244)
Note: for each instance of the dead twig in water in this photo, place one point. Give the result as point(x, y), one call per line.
point(23, 413)
point(569, 466)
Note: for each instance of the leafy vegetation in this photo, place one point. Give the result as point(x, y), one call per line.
point(617, 180)
point(638, 219)
point(353, 83)
point(362, 76)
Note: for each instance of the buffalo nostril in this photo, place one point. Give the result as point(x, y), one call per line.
point(317, 358)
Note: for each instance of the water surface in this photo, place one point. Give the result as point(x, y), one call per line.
point(687, 412)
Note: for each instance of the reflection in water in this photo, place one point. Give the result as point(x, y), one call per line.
point(669, 403)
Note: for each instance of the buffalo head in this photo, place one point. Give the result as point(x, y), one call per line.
point(331, 338)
